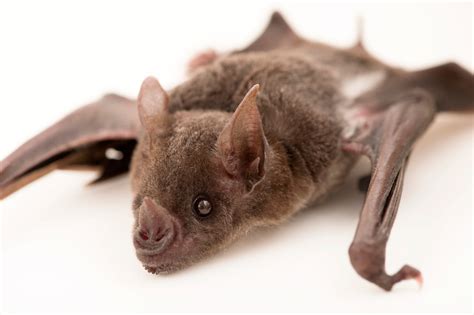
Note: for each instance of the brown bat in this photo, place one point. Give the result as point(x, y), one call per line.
point(250, 139)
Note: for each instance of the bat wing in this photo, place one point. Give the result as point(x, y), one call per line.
point(278, 34)
point(394, 115)
point(101, 135)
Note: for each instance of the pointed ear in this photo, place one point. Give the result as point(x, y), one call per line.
point(152, 102)
point(241, 144)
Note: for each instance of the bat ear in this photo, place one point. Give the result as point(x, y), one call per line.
point(152, 102)
point(241, 144)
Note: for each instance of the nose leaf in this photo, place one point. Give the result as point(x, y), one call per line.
point(154, 225)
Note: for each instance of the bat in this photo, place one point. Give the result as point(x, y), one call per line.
point(252, 137)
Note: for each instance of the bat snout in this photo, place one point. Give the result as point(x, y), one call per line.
point(155, 230)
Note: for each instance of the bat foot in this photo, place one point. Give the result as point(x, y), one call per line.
point(202, 59)
point(419, 280)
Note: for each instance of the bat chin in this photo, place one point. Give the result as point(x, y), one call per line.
point(160, 264)
point(157, 263)
point(152, 270)
point(162, 269)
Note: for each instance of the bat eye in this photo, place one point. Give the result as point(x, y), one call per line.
point(202, 206)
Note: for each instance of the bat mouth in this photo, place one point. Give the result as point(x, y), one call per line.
point(159, 253)
point(168, 256)
point(179, 253)
point(159, 248)
point(156, 263)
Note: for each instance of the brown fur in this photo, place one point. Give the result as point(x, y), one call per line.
point(254, 136)
point(297, 103)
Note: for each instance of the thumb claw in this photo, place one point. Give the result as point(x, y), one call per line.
point(406, 273)
point(419, 280)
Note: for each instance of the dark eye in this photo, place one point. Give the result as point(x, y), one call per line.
point(202, 206)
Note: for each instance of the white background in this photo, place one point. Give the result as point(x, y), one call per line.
point(67, 247)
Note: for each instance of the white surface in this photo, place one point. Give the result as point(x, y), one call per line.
point(67, 247)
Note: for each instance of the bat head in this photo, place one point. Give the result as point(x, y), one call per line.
point(194, 174)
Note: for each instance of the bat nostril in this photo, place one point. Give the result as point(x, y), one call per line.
point(154, 230)
point(143, 235)
point(160, 234)
point(151, 237)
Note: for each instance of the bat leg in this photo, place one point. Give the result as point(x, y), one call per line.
point(203, 58)
point(388, 142)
